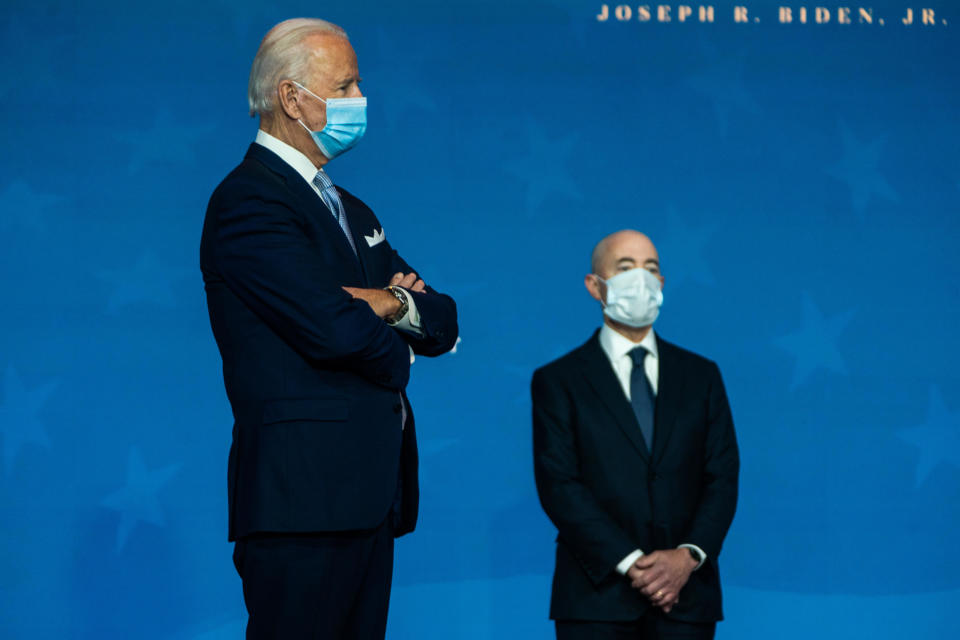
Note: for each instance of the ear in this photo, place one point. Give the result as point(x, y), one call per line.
point(288, 96)
point(594, 287)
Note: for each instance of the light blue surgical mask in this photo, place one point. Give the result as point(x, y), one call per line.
point(633, 297)
point(346, 124)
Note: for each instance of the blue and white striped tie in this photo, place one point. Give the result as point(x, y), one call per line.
point(332, 199)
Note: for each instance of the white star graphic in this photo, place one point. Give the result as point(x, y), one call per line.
point(149, 281)
point(24, 207)
point(685, 244)
point(167, 142)
point(19, 416)
point(938, 439)
point(544, 168)
point(137, 500)
point(815, 344)
point(859, 169)
point(722, 84)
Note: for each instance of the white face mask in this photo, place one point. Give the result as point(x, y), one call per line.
point(633, 297)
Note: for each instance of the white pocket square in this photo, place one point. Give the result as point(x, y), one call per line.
point(377, 237)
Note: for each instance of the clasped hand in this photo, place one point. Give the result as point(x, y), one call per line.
point(661, 575)
point(384, 303)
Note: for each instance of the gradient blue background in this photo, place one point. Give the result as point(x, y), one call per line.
point(800, 181)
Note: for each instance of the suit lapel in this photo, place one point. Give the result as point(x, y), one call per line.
point(358, 240)
point(307, 198)
point(669, 395)
point(601, 378)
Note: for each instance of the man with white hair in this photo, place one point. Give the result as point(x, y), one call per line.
point(317, 318)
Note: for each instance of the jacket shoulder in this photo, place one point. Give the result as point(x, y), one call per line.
point(689, 360)
point(567, 364)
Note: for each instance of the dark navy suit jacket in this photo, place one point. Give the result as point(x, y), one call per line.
point(608, 494)
point(314, 377)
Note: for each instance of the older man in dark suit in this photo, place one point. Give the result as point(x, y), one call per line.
point(317, 318)
point(636, 464)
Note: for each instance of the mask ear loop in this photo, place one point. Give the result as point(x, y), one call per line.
point(603, 303)
point(308, 91)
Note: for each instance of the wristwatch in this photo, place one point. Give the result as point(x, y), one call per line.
point(400, 295)
point(693, 554)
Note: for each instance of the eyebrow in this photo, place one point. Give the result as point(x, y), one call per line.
point(652, 260)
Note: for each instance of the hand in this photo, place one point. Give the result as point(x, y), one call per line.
point(408, 281)
point(383, 303)
point(661, 575)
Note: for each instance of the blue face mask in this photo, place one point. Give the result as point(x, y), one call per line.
point(346, 124)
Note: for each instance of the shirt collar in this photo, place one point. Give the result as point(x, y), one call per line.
point(617, 346)
point(296, 159)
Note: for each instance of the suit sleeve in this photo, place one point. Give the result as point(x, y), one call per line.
point(721, 469)
point(266, 259)
point(585, 527)
point(438, 315)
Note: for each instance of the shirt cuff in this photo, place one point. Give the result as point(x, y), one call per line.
point(625, 564)
point(411, 319)
point(697, 550)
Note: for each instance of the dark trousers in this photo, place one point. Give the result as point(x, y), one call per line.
point(317, 586)
point(653, 626)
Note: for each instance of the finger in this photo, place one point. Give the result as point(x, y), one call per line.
point(408, 280)
point(395, 280)
point(654, 587)
point(643, 578)
point(419, 285)
point(645, 562)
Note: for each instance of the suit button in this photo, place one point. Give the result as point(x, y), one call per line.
point(397, 408)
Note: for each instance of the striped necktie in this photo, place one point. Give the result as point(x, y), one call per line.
point(332, 199)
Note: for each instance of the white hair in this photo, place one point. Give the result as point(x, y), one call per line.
point(281, 56)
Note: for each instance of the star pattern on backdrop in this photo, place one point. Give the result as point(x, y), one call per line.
point(685, 243)
point(859, 168)
point(937, 440)
point(138, 500)
point(25, 207)
point(814, 344)
point(410, 87)
point(721, 82)
point(20, 421)
point(43, 62)
point(148, 281)
point(544, 167)
point(166, 142)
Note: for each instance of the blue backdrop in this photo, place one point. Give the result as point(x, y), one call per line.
point(801, 181)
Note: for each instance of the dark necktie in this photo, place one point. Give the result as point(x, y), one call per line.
point(641, 395)
point(332, 199)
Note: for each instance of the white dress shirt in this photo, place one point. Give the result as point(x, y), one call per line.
point(618, 348)
point(302, 165)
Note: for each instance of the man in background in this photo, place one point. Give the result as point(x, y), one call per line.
point(636, 464)
point(316, 317)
